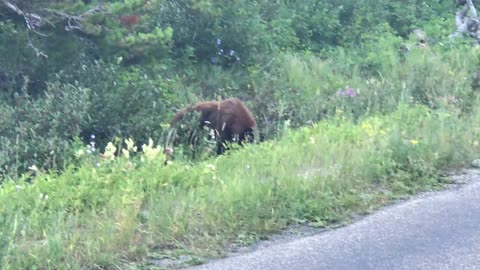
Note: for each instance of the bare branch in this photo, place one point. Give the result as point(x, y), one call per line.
point(467, 24)
point(472, 9)
point(460, 18)
point(37, 51)
point(74, 22)
point(35, 21)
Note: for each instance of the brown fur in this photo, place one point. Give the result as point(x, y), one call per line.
point(229, 118)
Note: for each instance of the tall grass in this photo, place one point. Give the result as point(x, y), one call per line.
point(382, 134)
point(118, 211)
point(304, 88)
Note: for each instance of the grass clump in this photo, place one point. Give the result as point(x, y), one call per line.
point(121, 210)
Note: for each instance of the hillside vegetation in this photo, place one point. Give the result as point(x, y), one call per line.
point(353, 108)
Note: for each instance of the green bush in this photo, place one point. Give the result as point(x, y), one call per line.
point(39, 131)
point(126, 101)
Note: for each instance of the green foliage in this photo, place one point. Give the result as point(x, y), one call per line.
point(380, 52)
point(111, 211)
point(38, 132)
point(18, 60)
point(198, 24)
point(384, 114)
point(125, 102)
point(199, 50)
point(302, 88)
point(316, 23)
point(383, 121)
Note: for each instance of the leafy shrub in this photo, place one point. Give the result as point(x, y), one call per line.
point(126, 101)
point(39, 131)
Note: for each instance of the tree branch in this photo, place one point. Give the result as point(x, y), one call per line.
point(467, 24)
point(472, 9)
point(35, 21)
point(37, 51)
point(74, 22)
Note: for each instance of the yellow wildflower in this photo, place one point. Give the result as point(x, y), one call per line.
point(130, 145)
point(368, 128)
point(150, 151)
point(110, 150)
point(126, 153)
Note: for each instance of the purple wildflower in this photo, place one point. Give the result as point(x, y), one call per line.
point(350, 92)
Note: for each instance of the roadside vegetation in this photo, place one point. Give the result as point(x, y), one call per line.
point(110, 213)
point(353, 112)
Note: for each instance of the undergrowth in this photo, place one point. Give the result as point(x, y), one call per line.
point(110, 211)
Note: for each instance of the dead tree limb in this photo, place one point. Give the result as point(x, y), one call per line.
point(32, 20)
point(467, 24)
point(36, 22)
point(74, 22)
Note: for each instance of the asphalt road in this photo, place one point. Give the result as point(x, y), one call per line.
point(434, 231)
